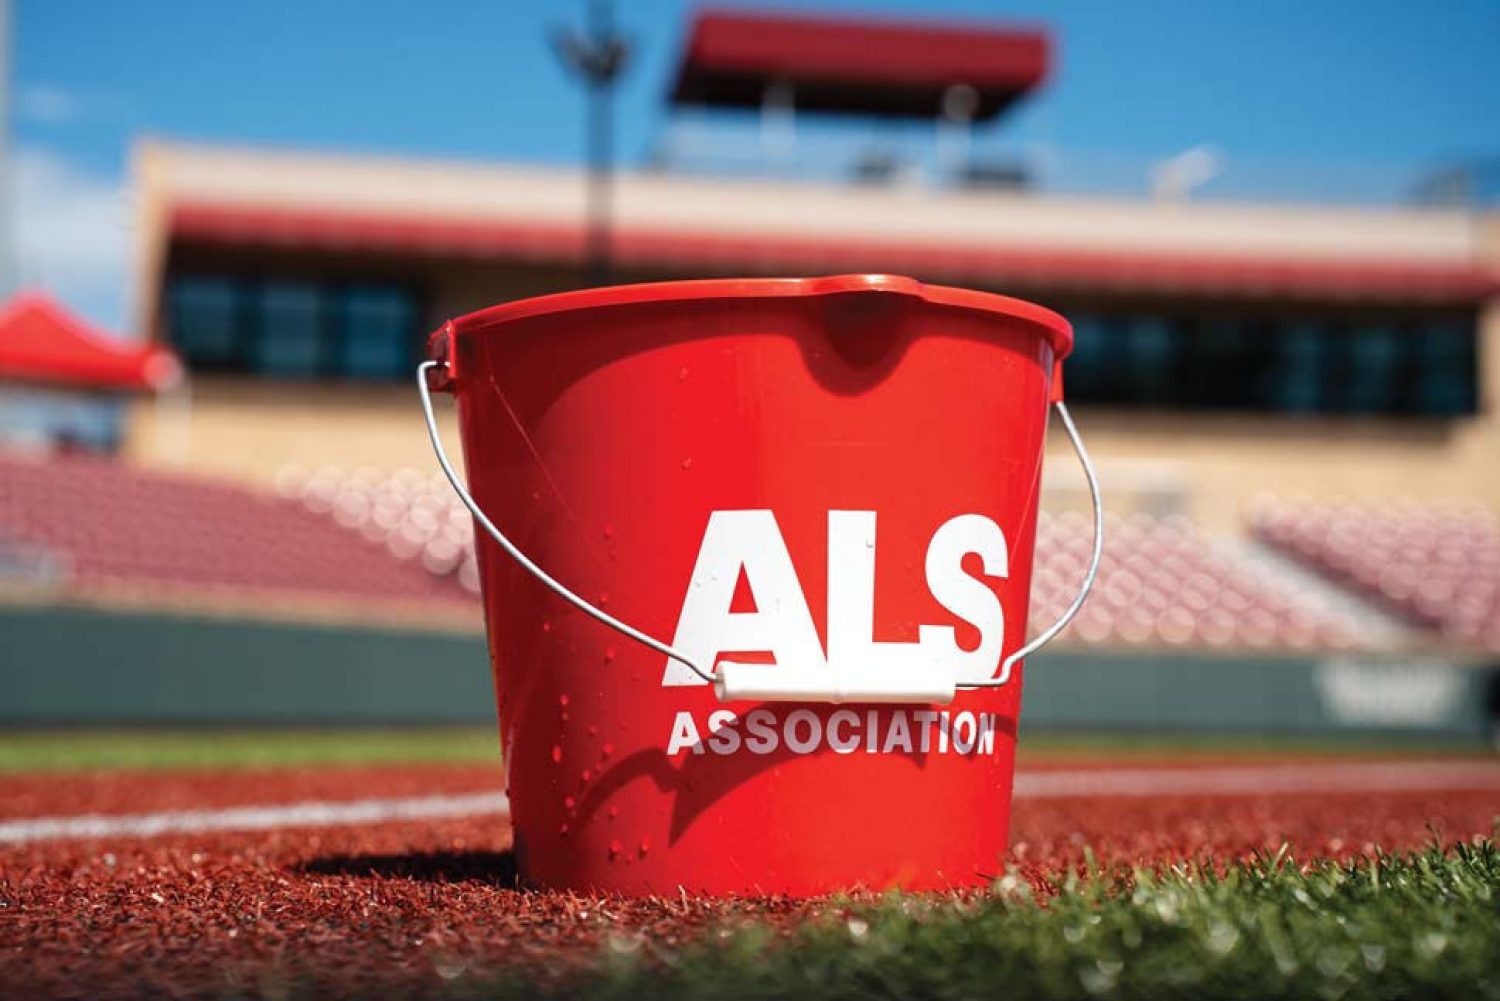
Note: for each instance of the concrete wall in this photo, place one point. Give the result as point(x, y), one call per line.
point(80, 665)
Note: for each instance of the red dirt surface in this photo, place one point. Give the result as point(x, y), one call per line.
point(408, 907)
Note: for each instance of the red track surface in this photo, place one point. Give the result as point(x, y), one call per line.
point(415, 904)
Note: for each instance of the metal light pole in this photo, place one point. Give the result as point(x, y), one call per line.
point(597, 57)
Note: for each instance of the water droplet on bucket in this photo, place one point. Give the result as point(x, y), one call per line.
point(615, 848)
point(609, 653)
point(563, 830)
point(556, 753)
point(546, 627)
point(562, 700)
point(645, 846)
point(603, 599)
point(609, 531)
point(682, 374)
point(585, 775)
point(687, 463)
point(593, 730)
point(613, 812)
point(607, 750)
point(569, 802)
point(564, 716)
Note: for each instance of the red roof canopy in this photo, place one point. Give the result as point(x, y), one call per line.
point(855, 64)
point(42, 342)
point(1015, 268)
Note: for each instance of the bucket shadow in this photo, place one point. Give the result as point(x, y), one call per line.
point(497, 869)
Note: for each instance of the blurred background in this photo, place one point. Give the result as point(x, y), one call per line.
point(227, 228)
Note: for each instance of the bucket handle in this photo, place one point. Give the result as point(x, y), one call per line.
point(625, 629)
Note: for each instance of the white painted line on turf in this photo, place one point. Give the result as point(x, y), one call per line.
point(1249, 780)
point(1101, 783)
point(252, 818)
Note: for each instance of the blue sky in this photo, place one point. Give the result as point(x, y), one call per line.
point(1359, 91)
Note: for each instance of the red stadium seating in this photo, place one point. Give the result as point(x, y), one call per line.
point(112, 523)
point(1436, 565)
point(1164, 583)
point(414, 516)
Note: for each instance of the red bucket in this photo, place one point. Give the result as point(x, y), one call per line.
point(795, 519)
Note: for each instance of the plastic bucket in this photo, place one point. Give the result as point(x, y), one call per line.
point(782, 533)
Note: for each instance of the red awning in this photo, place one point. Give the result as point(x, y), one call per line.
point(1010, 268)
point(856, 65)
point(41, 342)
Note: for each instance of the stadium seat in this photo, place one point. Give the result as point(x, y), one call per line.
point(1164, 583)
point(1435, 565)
point(114, 524)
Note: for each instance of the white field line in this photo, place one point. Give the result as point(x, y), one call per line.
point(252, 818)
point(1103, 783)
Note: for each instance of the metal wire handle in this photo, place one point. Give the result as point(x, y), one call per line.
point(625, 629)
point(557, 587)
point(1046, 635)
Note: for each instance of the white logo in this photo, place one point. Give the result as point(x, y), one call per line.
point(750, 542)
point(1394, 693)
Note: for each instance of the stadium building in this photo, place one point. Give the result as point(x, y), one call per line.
point(1225, 350)
point(1222, 349)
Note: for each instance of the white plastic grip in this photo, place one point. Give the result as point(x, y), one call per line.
point(737, 681)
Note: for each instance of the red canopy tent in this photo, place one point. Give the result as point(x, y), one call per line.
point(41, 342)
point(853, 64)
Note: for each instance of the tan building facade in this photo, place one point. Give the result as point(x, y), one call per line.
point(1395, 312)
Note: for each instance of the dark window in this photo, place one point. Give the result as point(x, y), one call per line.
point(1370, 373)
point(289, 330)
point(379, 333)
point(1101, 356)
point(1084, 370)
point(1228, 362)
point(1446, 365)
point(1300, 368)
point(1242, 360)
point(1153, 346)
point(204, 317)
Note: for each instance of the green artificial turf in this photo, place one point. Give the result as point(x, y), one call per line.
point(92, 750)
point(1419, 925)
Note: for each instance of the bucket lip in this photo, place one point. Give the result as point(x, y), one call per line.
point(1054, 327)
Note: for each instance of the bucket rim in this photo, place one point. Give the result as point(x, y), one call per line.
point(1057, 330)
